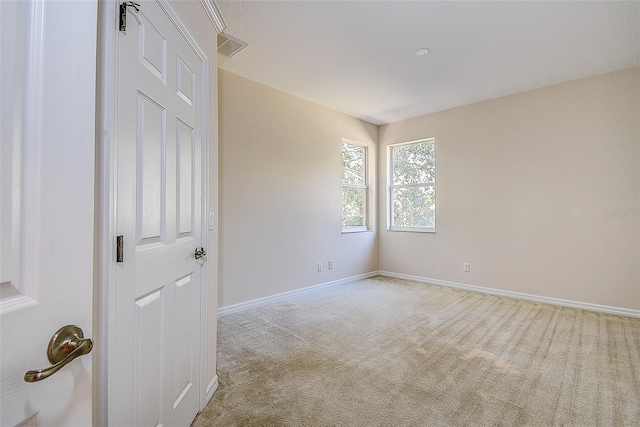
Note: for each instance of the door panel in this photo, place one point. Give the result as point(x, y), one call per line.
point(149, 371)
point(186, 178)
point(159, 199)
point(151, 144)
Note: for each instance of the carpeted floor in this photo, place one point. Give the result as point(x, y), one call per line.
point(388, 352)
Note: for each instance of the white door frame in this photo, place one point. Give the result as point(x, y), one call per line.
point(105, 204)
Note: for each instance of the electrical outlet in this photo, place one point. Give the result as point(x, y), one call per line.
point(319, 267)
point(467, 267)
point(330, 265)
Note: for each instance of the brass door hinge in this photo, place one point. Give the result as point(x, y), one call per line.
point(123, 13)
point(120, 248)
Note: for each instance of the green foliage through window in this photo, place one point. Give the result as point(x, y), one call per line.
point(412, 191)
point(354, 186)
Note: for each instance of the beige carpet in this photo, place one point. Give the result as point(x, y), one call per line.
point(387, 352)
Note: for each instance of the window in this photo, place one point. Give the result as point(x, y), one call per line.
point(412, 186)
point(354, 187)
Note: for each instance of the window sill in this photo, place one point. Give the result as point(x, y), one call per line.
point(412, 229)
point(356, 230)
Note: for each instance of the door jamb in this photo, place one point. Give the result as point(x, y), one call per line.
point(104, 272)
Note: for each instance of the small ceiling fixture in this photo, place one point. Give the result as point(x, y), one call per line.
point(422, 51)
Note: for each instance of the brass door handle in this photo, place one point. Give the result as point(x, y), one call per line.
point(65, 345)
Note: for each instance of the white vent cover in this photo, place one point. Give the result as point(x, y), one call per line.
point(229, 45)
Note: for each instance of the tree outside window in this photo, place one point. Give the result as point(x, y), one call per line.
point(354, 187)
point(412, 189)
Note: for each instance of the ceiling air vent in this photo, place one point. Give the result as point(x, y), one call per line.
point(229, 45)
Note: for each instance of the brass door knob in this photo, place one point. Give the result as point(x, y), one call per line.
point(65, 345)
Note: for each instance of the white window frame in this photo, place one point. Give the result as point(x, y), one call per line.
point(365, 187)
point(391, 187)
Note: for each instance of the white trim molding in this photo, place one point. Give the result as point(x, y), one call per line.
point(211, 389)
point(518, 295)
point(214, 14)
point(223, 311)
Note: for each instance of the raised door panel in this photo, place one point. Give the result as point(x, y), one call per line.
point(151, 143)
point(148, 358)
point(186, 179)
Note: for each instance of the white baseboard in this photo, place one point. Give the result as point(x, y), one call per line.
point(223, 311)
point(518, 295)
point(211, 388)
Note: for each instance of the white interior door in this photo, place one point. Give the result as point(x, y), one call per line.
point(47, 126)
point(156, 359)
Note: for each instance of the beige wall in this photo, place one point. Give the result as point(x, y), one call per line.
point(280, 192)
point(538, 191)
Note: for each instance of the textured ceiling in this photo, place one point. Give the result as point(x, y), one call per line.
point(358, 57)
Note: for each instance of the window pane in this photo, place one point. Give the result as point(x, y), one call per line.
point(414, 207)
point(353, 161)
point(414, 163)
point(353, 207)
